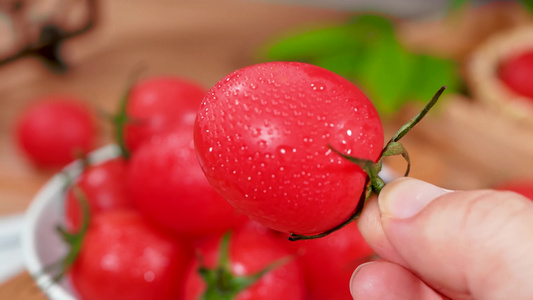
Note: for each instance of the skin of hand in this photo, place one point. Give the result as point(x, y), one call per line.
point(442, 244)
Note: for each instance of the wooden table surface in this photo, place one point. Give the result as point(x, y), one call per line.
point(462, 145)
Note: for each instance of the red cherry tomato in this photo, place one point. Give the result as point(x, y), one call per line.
point(262, 136)
point(523, 187)
point(517, 73)
point(104, 188)
point(169, 187)
point(125, 257)
point(158, 103)
point(54, 129)
point(329, 262)
point(249, 253)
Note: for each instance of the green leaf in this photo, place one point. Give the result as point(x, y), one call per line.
point(385, 74)
point(318, 43)
point(365, 51)
point(456, 5)
point(430, 73)
point(366, 31)
point(312, 44)
point(528, 4)
point(368, 25)
point(342, 63)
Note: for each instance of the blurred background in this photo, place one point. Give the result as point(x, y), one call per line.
point(399, 52)
point(407, 9)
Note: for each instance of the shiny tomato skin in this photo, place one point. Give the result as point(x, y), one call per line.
point(517, 73)
point(329, 262)
point(54, 129)
point(250, 251)
point(125, 257)
point(104, 188)
point(169, 187)
point(262, 136)
point(157, 103)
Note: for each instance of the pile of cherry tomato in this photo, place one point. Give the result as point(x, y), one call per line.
point(158, 228)
point(210, 183)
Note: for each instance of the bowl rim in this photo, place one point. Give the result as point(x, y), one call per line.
point(43, 198)
point(33, 214)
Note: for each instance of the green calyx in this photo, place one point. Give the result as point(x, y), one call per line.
point(221, 283)
point(120, 121)
point(121, 118)
point(73, 240)
point(374, 184)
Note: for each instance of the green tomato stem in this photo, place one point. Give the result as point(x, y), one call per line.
point(374, 184)
point(122, 118)
point(220, 281)
point(74, 240)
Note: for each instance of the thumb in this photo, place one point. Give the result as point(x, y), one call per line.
point(464, 244)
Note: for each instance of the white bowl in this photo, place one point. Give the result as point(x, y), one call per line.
point(42, 246)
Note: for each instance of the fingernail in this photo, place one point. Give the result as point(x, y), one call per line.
point(406, 197)
point(355, 273)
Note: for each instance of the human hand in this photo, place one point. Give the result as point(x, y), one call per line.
point(441, 244)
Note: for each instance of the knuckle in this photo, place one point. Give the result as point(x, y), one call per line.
point(489, 209)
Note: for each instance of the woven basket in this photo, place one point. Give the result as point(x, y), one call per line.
point(482, 73)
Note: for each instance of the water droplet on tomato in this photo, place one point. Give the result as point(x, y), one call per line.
point(318, 86)
point(349, 132)
point(256, 132)
point(286, 153)
point(149, 276)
